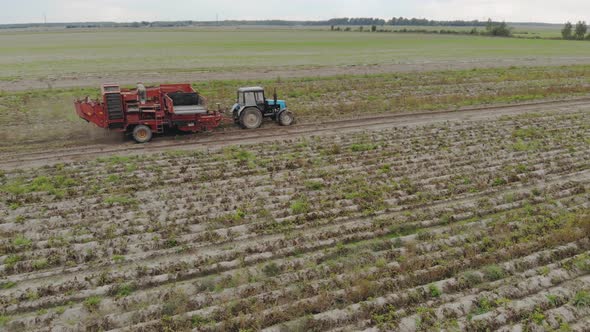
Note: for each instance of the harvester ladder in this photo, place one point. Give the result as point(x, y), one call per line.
point(114, 103)
point(159, 123)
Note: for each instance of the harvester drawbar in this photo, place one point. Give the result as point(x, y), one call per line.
point(144, 111)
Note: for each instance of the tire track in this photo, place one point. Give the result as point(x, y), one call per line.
point(274, 133)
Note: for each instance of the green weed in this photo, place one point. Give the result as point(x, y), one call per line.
point(118, 258)
point(483, 305)
point(21, 242)
point(299, 206)
point(388, 319)
point(11, 260)
point(53, 185)
point(537, 316)
point(523, 146)
point(314, 185)
point(92, 303)
point(363, 147)
point(581, 299)
point(529, 133)
point(124, 290)
point(271, 269)
point(4, 320)
point(200, 321)
point(7, 284)
point(434, 290)
point(493, 272)
point(40, 264)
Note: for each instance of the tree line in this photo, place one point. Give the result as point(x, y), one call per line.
point(402, 21)
point(497, 29)
point(424, 22)
point(345, 21)
point(578, 32)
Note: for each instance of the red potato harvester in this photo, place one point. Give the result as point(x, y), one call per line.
point(143, 111)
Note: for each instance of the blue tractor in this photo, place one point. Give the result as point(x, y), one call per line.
point(252, 107)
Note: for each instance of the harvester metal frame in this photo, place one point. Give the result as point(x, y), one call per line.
point(143, 111)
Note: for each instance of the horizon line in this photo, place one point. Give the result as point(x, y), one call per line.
point(268, 20)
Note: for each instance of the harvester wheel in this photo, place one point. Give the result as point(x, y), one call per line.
point(142, 134)
point(251, 118)
point(286, 118)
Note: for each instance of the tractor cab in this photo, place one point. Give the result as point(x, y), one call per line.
point(253, 97)
point(252, 106)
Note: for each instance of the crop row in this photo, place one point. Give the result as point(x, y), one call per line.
point(379, 229)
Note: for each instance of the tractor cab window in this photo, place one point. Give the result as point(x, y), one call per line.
point(249, 98)
point(259, 97)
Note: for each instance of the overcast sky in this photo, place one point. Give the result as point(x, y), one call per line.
point(25, 11)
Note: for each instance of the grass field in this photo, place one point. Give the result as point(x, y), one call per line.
point(76, 53)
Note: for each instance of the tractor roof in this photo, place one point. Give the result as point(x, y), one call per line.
point(251, 89)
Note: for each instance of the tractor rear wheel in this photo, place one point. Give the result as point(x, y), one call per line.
point(286, 118)
point(142, 134)
point(251, 118)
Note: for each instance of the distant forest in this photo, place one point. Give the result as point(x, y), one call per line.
point(395, 21)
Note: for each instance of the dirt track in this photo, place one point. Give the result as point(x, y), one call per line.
point(95, 79)
point(270, 132)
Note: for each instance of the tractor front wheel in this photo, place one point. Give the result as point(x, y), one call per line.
point(286, 118)
point(142, 134)
point(251, 118)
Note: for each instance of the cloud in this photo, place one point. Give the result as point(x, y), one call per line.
point(151, 10)
point(104, 10)
point(514, 11)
